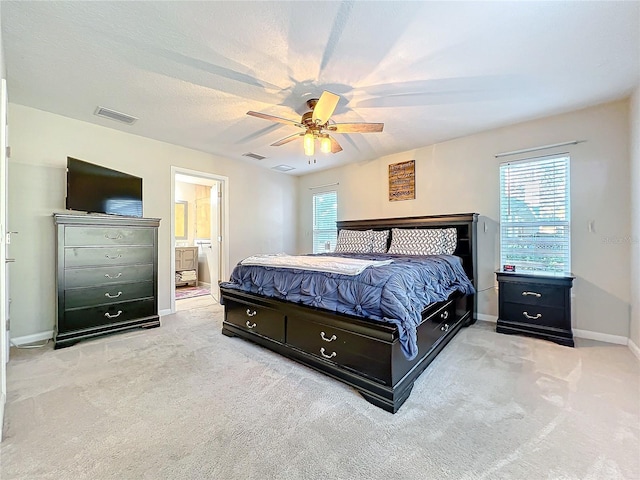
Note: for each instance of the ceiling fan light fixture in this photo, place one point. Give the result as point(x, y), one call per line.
point(325, 144)
point(309, 144)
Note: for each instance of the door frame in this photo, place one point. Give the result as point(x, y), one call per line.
point(224, 221)
point(4, 235)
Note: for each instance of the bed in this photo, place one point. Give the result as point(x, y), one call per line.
point(377, 353)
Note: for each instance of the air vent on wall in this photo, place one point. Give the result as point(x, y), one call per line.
point(253, 155)
point(113, 115)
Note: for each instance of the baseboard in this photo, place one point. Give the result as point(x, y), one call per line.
point(601, 337)
point(36, 337)
point(634, 349)
point(166, 311)
point(486, 318)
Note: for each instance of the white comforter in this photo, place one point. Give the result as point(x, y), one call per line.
point(340, 265)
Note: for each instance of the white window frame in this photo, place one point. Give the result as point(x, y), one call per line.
point(535, 217)
point(324, 238)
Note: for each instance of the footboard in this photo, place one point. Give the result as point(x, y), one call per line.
point(363, 354)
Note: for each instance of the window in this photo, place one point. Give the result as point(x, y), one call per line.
point(325, 215)
point(534, 215)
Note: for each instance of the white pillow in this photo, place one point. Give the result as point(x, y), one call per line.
point(354, 241)
point(379, 241)
point(449, 240)
point(415, 241)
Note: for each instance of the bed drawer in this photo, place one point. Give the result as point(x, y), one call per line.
point(99, 256)
point(259, 320)
point(347, 349)
point(92, 296)
point(437, 325)
point(87, 236)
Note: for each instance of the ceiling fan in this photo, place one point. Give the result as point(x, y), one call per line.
point(316, 125)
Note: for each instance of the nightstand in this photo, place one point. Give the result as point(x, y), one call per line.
point(535, 305)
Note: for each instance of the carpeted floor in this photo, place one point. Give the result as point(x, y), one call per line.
point(190, 292)
point(184, 402)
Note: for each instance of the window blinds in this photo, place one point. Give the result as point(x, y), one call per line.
point(325, 215)
point(535, 215)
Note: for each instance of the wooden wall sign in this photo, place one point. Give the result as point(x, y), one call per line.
point(402, 181)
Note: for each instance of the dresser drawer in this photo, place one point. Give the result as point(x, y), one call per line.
point(259, 320)
point(83, 318)
point(532, 294)
point(535, 315)
point(358, 352)
point(88, 236)
point(99, 256)
point(90, 277)
point(106, 294)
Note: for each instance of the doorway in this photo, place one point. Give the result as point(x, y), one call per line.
point(199, 226)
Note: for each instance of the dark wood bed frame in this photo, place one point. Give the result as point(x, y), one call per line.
point(362, 353)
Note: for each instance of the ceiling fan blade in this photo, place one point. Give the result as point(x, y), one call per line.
point(273, 118)
point(356, 127)
point(325, 107)
point(335, 146)
point(288, 139)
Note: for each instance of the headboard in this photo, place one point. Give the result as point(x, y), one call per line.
point(465, 224)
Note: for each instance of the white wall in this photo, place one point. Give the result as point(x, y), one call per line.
point(634, 116)
point(261, 202)
point(462, 176)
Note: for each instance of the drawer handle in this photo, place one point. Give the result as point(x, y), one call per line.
point(109, 276)
point(113, 316)
point(445, 327)
point(251, 314)
point(333, 354)
point(108, 295)
point(250, 325)
point(117, 237)
point(333, 337)
point(444, 315)
point(112, 258)
point(524, 294)
point(532, 317)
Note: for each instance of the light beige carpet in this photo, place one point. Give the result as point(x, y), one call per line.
point(185, 402)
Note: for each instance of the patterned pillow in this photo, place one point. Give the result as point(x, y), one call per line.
point(406, 241)
point(354, 241)
point(379, 241)
point(449, 240)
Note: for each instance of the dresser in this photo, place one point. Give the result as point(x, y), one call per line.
point(107, 275)
point(186, 266)
point(535, 305)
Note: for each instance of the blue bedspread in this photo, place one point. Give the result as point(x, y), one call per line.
point(395, 293)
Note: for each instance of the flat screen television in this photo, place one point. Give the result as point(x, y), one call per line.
point(95, 189)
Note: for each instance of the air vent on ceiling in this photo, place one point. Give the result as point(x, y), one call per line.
point(253, 155)
point(113, 115)
point(282, 168)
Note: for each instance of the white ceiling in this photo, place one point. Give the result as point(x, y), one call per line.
point(431, 71)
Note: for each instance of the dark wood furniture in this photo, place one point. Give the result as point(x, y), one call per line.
point(361, 353)
point(536, 305)
point(107, 275)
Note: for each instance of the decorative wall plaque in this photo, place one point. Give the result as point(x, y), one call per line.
point(402, 181)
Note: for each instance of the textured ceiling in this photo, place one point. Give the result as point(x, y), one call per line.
point(430, 71)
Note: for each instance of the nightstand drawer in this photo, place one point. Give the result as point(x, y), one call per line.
point(535, 315)
point(532, 294)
